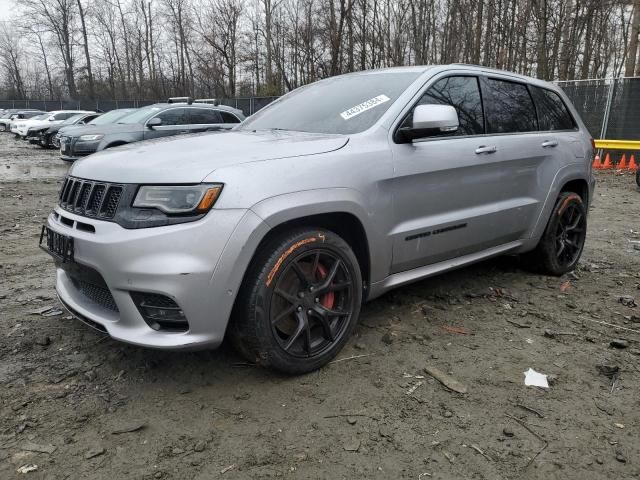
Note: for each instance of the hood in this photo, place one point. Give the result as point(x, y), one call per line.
point(53, 129)
point(105, 129)
point(189, 159)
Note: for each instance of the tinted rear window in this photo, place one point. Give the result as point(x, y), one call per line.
point(229, 118)
point(553, 114)
point(64, 116)
point(509, 107)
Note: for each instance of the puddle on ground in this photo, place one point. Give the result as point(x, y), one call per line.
point(21, 161)
point(31, 170)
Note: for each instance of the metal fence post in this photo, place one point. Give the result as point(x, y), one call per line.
point(607, 110)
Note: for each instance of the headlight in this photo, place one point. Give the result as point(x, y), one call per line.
point(89, 138)
point(178, 199)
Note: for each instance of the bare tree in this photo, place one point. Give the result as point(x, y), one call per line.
point(10, 54)
point(132, 49)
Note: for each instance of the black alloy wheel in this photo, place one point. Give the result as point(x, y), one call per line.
point(570, 234)
point(312, 303)
point(299, 302)
point(561, 245)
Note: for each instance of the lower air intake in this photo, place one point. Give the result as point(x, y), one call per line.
point(160, 312)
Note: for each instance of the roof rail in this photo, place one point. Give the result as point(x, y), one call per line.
point(213, 101)
point(468, 65)
point(187, 100)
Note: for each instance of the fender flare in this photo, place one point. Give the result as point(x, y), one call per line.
point(281, 209)
point(568, 173)
point(259, 220)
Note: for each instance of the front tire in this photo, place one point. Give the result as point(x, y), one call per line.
point(299, 302)
point(563, 240)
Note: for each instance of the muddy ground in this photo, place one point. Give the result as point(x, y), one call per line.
point(79, 405)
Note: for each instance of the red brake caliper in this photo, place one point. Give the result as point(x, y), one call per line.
point(328, 299)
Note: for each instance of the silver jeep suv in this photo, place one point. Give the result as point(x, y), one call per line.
point(275, 233)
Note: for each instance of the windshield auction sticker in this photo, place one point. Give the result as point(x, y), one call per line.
point(364, 106)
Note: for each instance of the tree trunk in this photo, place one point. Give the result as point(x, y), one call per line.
point(632, 55)
point(92, 91)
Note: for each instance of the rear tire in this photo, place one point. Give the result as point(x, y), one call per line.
point(563, 240)
point(299, 302)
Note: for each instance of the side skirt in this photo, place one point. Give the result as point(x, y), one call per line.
point(409, 276)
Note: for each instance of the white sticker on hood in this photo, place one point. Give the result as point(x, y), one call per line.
point(364, 106)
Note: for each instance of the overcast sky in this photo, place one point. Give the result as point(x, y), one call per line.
point(7, 7)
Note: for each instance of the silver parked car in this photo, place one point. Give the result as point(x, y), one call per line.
point(276, 232)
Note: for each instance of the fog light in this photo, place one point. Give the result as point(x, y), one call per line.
point(160, 312)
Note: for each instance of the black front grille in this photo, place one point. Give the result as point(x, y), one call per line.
point(99, 295)
point(90, 198)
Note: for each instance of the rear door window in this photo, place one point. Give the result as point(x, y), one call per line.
point(204, 116)
point(229, 118)
point(508, 107)
point(553, 114)
point(462, 93)
point(64, 116)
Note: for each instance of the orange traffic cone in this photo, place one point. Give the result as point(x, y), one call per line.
point(596, 163)
point(632, 164)
point(607, 163)
point(623, 162)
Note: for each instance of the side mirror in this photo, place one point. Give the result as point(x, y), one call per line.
point(154, 122)
point(429, 121)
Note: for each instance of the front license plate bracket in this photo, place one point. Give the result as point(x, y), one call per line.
point(57, 245)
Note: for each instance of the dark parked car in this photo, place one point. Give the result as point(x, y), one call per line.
point(111, 116)
point(44, 135)
point(158, 120)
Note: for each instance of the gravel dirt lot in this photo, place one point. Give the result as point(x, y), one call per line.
point(79, 405)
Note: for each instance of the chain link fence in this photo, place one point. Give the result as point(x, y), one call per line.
point(248, 105)
point(609, 107)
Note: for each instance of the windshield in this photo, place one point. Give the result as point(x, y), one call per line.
point(140, 115)
point(42, 116)
point(345, 104)
point(111, 116)
point(73, 119)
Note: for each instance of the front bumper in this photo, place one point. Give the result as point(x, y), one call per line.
point(72, 149)
point(34, 136)
point(195, 264)
point(22, 131)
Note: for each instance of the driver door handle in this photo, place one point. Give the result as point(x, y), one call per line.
point(484, 149)
point(549, 144)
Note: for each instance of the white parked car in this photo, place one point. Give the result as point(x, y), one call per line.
point(11, 118)
point(53, 118)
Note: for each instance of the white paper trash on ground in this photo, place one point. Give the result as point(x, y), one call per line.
point(535, 379)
